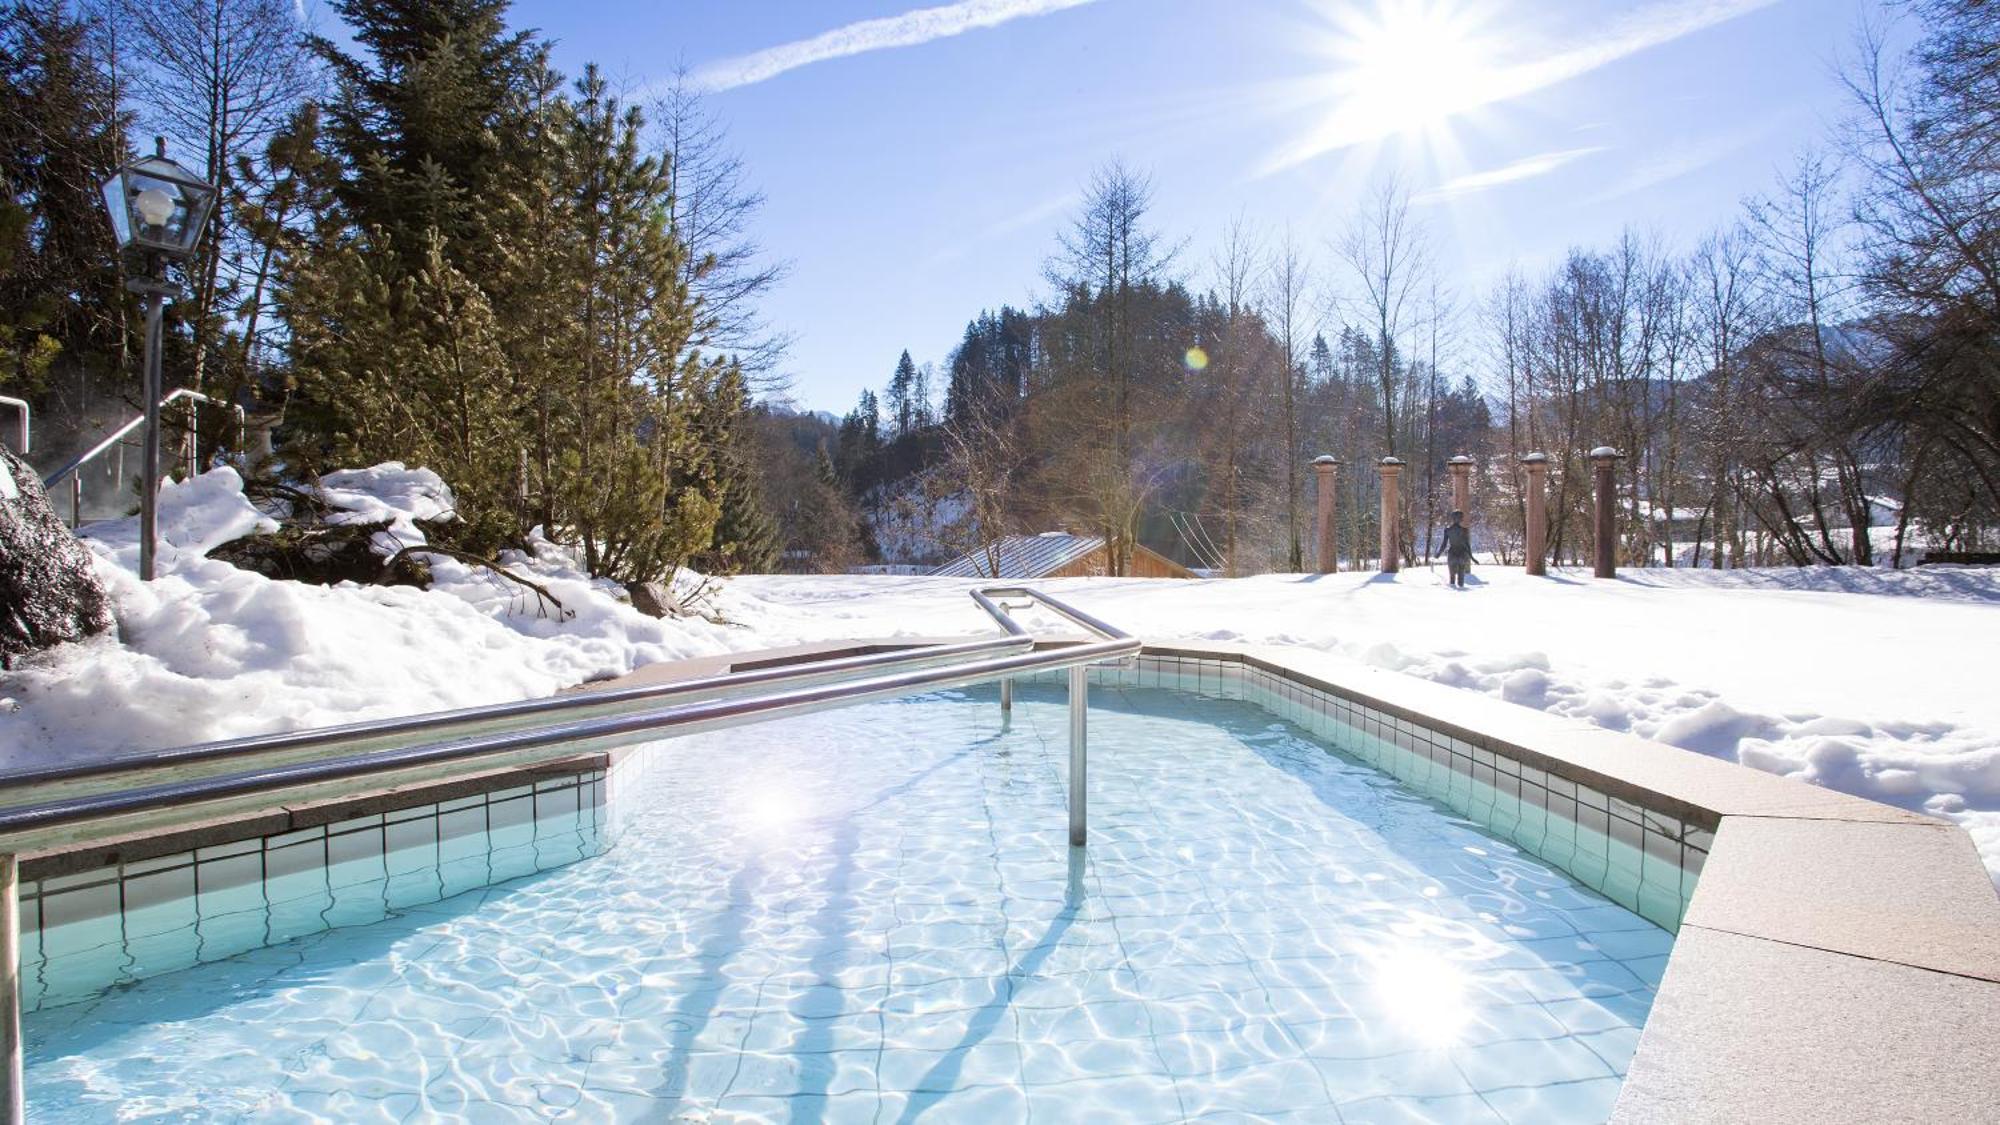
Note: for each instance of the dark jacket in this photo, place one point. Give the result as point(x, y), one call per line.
point(1458, 543)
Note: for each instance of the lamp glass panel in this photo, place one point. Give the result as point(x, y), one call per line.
point(115, 205)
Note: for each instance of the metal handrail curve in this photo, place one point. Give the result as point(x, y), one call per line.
point(50, 820)
point(436, 726)
point(138, 420)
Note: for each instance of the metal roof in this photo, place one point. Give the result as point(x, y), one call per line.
point(1023, 556)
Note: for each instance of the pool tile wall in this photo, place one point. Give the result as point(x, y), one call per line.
point(84, 931)
point(1645, 860)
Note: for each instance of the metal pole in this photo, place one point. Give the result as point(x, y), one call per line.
point(1079, 756)
point(13, 1090)
point(76, 499)
point(149, 497)
point(1007, 695)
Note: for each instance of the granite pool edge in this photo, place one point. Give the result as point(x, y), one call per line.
point(1839, 960)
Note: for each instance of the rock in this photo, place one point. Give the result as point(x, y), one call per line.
point(322, 555)
point(654, 599)
point(49, 592)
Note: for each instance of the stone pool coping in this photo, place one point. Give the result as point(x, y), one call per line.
point(1840, 960)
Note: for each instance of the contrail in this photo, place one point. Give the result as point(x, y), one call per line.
point(907, 30)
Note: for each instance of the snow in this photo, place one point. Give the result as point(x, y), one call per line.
point(1873, 682)
point(209, 651)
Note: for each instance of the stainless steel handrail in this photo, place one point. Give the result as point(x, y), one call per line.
point(27, 826)
point(24, 827)
point(63, 781)
point(118, 435)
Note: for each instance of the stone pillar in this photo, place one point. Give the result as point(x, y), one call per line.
point(1392, 515)
point(1537, 531)
point(1604, 461)
point(1326, 472)
point(1461, 486)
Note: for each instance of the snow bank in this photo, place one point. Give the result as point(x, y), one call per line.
point(208, 651)
point(1873, 682)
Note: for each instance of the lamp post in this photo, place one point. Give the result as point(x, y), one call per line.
point(158, 209)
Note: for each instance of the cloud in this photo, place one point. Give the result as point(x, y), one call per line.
point(1526, 168)
point(1673, 162)
point(907, 30)
point(1649, 27)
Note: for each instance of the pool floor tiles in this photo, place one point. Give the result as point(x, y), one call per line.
point(872, 914)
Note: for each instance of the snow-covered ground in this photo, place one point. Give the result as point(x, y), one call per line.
point(1874, 682)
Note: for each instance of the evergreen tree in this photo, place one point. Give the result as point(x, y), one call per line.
point(61, 133)
point(539, 353)
point(902, 396)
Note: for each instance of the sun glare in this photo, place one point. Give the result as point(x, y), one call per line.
point(1395, 69)
point(1411, 65)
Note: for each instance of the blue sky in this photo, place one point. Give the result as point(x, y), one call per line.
point(912, 186)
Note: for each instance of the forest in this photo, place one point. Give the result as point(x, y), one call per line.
point(437, 249)
point(1814, 382)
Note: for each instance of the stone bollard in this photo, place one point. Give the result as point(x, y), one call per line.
point(1537, 529)
point(1392, 515)
point(1604, 461)
point(1461, 486)
point(1326, 472)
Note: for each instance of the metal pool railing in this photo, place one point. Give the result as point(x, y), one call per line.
point(161, 790)
point(74, 472)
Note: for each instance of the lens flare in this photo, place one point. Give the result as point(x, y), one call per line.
point(1196, 359)
point(1423, 994)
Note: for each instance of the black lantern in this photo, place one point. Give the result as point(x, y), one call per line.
point(158, 208)
point(156, 204)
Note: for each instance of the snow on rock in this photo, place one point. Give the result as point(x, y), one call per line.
point(392, 492)
point(208, 651)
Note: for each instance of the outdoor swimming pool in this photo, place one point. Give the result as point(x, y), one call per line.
point(873, 915)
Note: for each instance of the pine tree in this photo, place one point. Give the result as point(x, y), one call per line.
point(902, 395)
point(61, 134)
point(539, 351)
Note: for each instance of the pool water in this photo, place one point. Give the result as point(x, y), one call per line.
point(873, 915)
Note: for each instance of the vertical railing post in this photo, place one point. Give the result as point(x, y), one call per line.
point(13, 1091)
point(1006, 695)
point(1079, 757)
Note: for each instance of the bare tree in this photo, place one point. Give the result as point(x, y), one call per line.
point(1107, 262)
point(220, 77)
point(714, 207)
point(1387, 254)
point(1286, 303)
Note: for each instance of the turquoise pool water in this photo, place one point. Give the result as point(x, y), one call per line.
point(873, 915)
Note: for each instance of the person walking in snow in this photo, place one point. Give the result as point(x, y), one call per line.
point(1458, 549)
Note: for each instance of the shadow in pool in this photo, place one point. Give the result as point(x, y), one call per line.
point(834, 939)
point(943, 1077)
point(697, 1005)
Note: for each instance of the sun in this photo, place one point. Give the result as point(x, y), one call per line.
point(1411, 70)
point(1410, 66)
